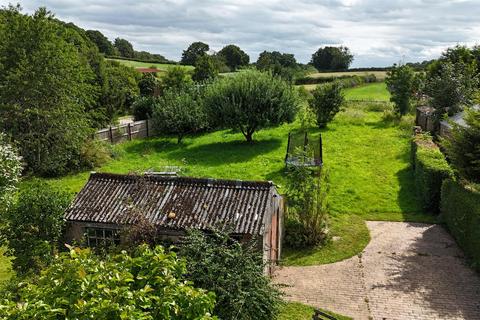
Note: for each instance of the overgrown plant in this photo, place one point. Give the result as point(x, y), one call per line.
point(10, 169)
point(402, 84)
point(326, 102)
point(232, 270)
point(307, 220)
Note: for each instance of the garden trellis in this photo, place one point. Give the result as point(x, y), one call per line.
point(303, 150)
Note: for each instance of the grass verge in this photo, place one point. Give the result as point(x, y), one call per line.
point(298, 311)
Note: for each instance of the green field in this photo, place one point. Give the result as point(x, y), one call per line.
point(160, 66)
point(368, 92)
point(379, 74)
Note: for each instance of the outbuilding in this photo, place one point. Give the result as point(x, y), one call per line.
point(250, 210)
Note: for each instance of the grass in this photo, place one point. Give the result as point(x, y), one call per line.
point(160, 66)
point(379, 74)
point(298, 311)
point(372, 91)
point(5, 266)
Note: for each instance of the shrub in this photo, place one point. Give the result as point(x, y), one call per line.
point(143, 108)
point(148, 84)
point(326, 102)
point(460, 210)
point(34, 225)
point(401, 84)
point(205, 69)
point(234, 272)
point(179, 113)
point(306, 223)
point(148, 284)
point(431, 169)
point(10, 169)
point(95, 153)
point(176, 79)
point(463, 146)
point(250, 101)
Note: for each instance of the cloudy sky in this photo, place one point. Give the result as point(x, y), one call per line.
point(378, 32)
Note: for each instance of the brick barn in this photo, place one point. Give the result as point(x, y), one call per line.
point(110, 202)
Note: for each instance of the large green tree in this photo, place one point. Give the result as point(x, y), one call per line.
point(45, 86)
point(103, 44)
point(332, 58)
point(124, 47)
point(234, 56)
point(205, 69)
point(193, 52)
point(251, 100)
point(401, 82)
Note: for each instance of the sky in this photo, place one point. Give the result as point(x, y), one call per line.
point(378, 32)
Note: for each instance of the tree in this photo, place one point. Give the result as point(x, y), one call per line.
point(146, 284)
point(267, 60)
point(326, 102)
point(34, 225)
point(234, 56)
point(148, 84)
point(463, 146)
point(10, 169)
point(143, 108)
point(193, 52)
point(176, 78)
point(250, 101)
point(332, 58)
point(234, 272)
point(104, 45)
point(205, 69)
point(401, 85)
point(179, 113)
point(124, 47)
point(46, 86)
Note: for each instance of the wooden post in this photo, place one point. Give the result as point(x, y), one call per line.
point(111, 134)
point(288, 148)
point(129, 130)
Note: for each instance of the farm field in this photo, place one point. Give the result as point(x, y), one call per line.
point(379, 74)
point(373, 91)
point(161, 66)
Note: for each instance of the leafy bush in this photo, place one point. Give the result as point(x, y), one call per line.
point(234, 272)
point(95, 153)
point(463, 146)
point(431, 169)
point(143, 108)
point(326, 102)
point(306, 223)
point(460, 209)
point(205, 69)
point(148, 84)
point(250, 101)
point(149, 284)
point(179, 113)
point(10, 169)
point(401, 85)
point(176, 79)
point(34, 225)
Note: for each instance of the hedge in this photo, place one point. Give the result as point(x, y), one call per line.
point(348, 80)
point(460, 210)
point(431, 169)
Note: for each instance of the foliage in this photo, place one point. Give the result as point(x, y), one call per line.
point(103, 44)
point(34, 225)
point(431, 169)
point(10, 170)
point(148, 284)
point(234, 56)
point(401, 85)
point(460, 210)
point(95, 153)
point(463, 146)
point(205, 69)
point(306, 224)
point(176, 78)
point(125, 48)
point(194, 52)
point(150, 57)
point(250, 101)
point(298, 311)
point(143, 108)
point(46, 85)
point(332, 58)
point(179, 113)
point(220, 63)
point(280, 64)
point(234, 272)
point(326, 102)
point(148, 84)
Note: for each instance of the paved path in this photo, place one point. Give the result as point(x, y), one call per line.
point(407, 271)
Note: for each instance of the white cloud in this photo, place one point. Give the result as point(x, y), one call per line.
point(378, 32)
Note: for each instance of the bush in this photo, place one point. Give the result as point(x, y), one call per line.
point(326, 102)
point(176, 79)
point(95, 153)
point(143, 108)
point(306, 223)
point(10, 169)
point(148, 284)
point(460, 209)
point(401, 85)
point(34, 225)
point(205, 69)
point(234, 272)
point(431, 169)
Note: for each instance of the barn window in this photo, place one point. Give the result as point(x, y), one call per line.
point(102, 237)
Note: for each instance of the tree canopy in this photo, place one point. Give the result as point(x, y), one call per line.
point(234, 56)
point(332, 58)
point(103, 44)
point(267, 60)
point(124, 47)
point(205, 69)
point(193, 52)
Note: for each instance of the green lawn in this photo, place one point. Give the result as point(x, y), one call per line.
point(298, 311)
point(161, 66)
point(368, 92)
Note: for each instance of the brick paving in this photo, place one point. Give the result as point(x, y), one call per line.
point(407, 271)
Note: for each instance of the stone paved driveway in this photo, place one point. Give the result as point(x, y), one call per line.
point(408, 271)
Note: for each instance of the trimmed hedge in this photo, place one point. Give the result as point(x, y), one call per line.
point(431, 168)
point(460, 209)
point(347, 81)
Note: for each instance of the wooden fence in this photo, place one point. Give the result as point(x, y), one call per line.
point(126, 132)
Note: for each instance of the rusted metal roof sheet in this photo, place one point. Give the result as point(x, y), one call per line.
point(194, 203)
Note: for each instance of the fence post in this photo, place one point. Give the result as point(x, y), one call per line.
point(111, 135)
point(288, 148)
point(129, 129)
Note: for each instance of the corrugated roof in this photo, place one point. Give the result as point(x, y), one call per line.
point(196, 203)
